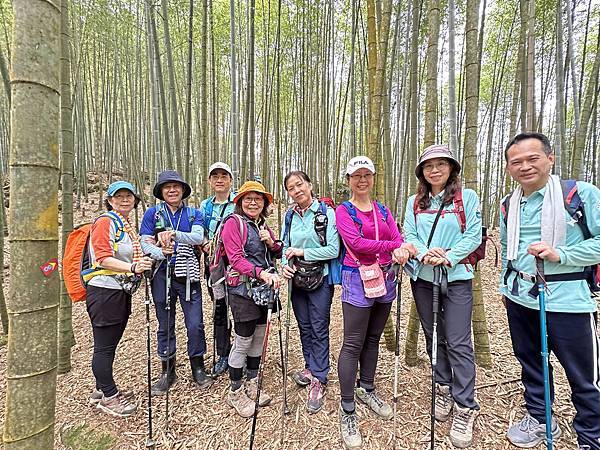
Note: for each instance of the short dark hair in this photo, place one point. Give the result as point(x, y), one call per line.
point(529, 135)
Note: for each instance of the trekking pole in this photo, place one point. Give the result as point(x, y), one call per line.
point(437, 282)
point(168, 309)
point(539, 264)
point(149, 440)
point(214, 312)
point(286, 409)
point(397, 349)
point(261, 367)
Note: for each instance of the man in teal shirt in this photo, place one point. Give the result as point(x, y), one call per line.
point(214, 210)
point(534, 223)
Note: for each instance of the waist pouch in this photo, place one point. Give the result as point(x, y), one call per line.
point(309, 275)
point(129, 283)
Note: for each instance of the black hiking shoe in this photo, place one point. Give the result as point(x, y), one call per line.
point(199, 375)
point(166, 379)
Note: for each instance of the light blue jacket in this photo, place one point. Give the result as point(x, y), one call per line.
point(561, 296)
point(302, 235)
point(447, 235)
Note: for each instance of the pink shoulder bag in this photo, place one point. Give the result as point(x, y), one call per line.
point(371, 275)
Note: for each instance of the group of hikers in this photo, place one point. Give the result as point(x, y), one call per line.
point(359, 246)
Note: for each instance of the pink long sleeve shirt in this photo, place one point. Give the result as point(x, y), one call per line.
point(365, 247)
point(250, 264)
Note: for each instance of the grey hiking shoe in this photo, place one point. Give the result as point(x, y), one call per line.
point(238, 400)
point(117, 405)
point(461, 432)
point(251, 387)
point(302, 377)
point(529, 432)
point(443, 403)
point(349, 430)
point(372, 400)
point(97, 395)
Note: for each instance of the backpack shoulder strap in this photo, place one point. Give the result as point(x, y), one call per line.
point(119, 227)
point(460, 209)
point(287, 223)
point(322, 207)
point(504, 207)
point(351, 209)
point(382, 210)
point(207, 210)
point(574, 205)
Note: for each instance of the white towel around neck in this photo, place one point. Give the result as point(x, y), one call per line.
point(553, 225)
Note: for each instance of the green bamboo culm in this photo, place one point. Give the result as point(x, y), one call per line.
point(33, 298)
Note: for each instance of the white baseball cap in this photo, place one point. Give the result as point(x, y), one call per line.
point(222, 166)
point(360, 162)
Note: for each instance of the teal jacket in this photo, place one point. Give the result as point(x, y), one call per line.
point(217, 213)
point(302, 235)
point(561, 296)
point(447, 235)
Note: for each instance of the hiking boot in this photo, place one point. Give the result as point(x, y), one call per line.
point(199, 375)
point(349, 430)
point(461, 432)
point(220, 366)
point(251, 388)
point(443, 402)
point(302, 377)
point(117, 405)
point(97, 395)
point(529, 432)
point(243, 405)
point(166, 380)
point(372, 400)
point(316, 396)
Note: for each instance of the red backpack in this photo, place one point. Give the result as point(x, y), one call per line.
point(459, 209)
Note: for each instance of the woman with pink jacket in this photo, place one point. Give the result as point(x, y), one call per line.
point(251, 249)
point(370, 235)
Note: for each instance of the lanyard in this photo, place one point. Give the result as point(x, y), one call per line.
point(167, 210)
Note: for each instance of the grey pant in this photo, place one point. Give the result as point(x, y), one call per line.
point(455, 359)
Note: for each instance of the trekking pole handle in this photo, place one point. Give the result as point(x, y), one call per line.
point(148, 273)
point(539, 270)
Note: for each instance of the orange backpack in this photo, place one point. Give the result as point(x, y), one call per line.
point(76, 257)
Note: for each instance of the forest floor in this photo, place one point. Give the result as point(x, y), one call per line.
point(201, 419)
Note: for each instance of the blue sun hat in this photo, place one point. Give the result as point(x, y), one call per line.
point(118, 185)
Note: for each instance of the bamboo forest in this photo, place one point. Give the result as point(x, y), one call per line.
point(302, 108)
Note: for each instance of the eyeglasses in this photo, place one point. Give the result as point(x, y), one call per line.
point(249, 200)
point(219, 177)
point(366, 176)
point(429, 167)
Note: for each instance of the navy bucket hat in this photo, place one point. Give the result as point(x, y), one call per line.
point(170, 176)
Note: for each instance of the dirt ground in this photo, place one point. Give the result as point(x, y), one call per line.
point(200, 419)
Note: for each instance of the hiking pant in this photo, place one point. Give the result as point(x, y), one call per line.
point(573, 338)
point(312, 311)
point(221, 324)
point(362, 331)
point(192, 313)
point(455, 359)
point(247, 347)
point(106, 339)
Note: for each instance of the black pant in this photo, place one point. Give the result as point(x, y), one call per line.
point(106, 339)
point(573, 339)
point(362, 331)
